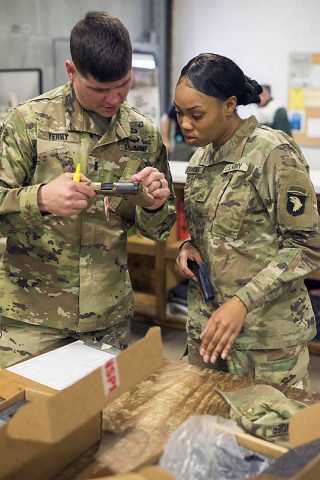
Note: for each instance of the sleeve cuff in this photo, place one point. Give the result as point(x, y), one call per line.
point(251, 296)
point(30, 212)
point(151, 212)
point(146, 220)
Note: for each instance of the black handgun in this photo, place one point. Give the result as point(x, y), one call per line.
point(201, 271)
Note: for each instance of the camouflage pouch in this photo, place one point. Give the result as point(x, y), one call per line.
point(263, 411)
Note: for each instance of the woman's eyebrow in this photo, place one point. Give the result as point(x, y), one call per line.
point(188, 109)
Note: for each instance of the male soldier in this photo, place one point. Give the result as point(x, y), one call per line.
point(64, 272)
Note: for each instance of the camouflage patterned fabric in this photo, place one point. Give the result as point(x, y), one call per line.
point(252, 214)
point(263, 411)
point(286, 366)
point(71, 273)
point(20, 341)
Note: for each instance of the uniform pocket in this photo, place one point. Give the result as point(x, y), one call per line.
point(52, 163)
point(288, 370)
point(233, 201)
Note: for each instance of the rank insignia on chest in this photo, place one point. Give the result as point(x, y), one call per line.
point(296, 199)
point(232, 167)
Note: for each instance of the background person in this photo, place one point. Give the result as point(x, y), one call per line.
point(64, 272)
point(270, 112)
point(253, 218)
point(179, 151)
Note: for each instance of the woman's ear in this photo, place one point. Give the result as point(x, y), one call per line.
point(230, 105)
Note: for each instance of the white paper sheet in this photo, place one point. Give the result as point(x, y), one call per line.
point(313, 127)
point(63, 366)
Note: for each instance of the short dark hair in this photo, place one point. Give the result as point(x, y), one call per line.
point(266, 87)
point(100, 46)
point(220, 77)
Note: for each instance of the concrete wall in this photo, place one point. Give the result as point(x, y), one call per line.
point(28, 29)
point(257, 34)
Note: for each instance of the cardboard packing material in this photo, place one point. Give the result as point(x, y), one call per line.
point(146, 473)
point(53, 429)
point(302, 430)
point(145, 417)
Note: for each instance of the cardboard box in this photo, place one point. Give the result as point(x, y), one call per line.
point(302, 430)
point(53, 429)
point(140, 423)
point(146, 473)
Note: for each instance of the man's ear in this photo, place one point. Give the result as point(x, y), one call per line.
point(230, 105)
point(71, 70)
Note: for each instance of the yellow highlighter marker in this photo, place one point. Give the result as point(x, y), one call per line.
point(77, 174)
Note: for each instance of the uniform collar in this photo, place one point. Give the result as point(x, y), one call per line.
point(79, 120)
point(231, 151)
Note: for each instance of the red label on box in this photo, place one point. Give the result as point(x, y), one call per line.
point(110, 376)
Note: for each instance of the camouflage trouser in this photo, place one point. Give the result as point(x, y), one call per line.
point(286, 366)
point(19, 341)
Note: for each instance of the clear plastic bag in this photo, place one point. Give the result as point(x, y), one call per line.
point(205, 447)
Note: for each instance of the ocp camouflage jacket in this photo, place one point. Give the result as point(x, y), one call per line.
point(252, 213)
point(71, 272)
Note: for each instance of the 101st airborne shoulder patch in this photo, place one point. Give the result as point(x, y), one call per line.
point(296, 199)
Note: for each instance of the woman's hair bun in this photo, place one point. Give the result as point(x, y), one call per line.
point(250, 92)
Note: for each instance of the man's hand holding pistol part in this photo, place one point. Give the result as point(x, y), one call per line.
point(69, 193)
point(127, 189)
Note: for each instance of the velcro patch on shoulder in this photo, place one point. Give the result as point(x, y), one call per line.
point(238, 166)
point(296, 199)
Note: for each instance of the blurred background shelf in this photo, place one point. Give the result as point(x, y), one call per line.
point(152, 272)
point(137, 244)
point(314, 347)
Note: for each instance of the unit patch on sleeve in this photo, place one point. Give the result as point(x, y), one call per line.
point(296, 199)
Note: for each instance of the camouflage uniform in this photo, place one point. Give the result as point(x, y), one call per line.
point(70, 273)
point(252, 213)
point(263, 411)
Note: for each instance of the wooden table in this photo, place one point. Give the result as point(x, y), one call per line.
point(137, 425)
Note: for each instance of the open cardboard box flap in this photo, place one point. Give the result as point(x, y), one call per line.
point(49, 426)
point(305, 426)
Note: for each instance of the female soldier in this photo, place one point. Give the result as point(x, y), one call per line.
point(253, 219)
